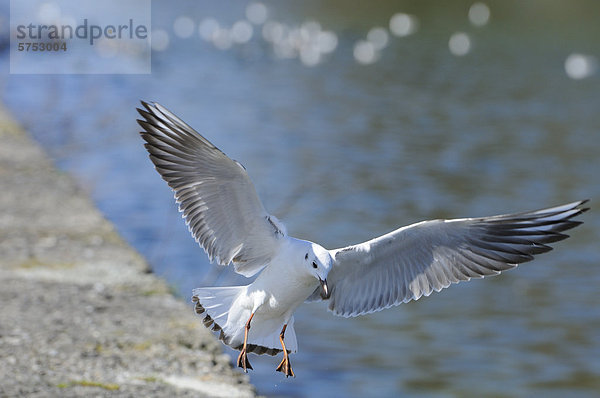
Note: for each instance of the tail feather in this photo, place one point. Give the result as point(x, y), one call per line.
point(221, 315)
point(215, 303)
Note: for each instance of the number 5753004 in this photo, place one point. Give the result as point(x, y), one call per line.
point(56, 46)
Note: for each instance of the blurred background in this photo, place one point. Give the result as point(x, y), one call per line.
point(355, 118)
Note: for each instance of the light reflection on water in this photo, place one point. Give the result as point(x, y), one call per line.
point(343, 152)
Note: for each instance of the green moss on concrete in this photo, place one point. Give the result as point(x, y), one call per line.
point(34, 262)
point(89, 383)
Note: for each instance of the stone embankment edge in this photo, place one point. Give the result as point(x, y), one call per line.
point(80, 312)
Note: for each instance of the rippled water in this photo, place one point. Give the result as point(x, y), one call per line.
point(343, 152)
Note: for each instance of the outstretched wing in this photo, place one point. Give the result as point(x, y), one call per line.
point(214, 193)
point(416, 260)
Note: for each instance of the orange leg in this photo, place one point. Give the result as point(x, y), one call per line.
point(242, 360)
point(285, 366)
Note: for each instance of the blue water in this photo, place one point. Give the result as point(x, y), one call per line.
point(343, 152)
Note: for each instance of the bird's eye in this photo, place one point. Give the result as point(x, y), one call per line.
point(314, 265)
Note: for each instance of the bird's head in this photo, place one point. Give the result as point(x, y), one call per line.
point(318, 262)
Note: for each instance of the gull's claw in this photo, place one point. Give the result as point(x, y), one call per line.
point(243, 361)
point(285, 367)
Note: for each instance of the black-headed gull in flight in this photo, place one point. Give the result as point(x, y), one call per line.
point(225, 216)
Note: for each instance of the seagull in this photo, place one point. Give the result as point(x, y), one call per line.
point(226, 217)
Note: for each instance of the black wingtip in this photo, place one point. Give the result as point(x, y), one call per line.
point(147, 105)
point(146, 113)
point(581, 209)
point(584, 209)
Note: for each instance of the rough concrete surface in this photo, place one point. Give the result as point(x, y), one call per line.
point(80, 314)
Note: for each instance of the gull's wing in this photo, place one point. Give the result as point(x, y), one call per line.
point(215, 194)
point(416, 260)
